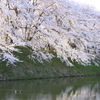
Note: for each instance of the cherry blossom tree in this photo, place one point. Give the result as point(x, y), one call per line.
point(63, 26)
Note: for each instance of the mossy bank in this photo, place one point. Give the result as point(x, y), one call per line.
point(29, 69)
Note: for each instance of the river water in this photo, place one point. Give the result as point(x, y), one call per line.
point(87, 88)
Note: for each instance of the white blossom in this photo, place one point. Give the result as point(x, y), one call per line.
point(60, 25)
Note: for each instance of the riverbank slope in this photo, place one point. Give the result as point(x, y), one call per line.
point(29, 69)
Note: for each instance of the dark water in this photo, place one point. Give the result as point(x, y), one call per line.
point(52, 89)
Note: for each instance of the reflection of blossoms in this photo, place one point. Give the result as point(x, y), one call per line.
point(52, 89)
point(83, 93)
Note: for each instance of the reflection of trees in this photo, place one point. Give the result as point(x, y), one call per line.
point(87, 92)
point(51, 89)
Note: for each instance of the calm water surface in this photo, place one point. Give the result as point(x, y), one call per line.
point(87, 88)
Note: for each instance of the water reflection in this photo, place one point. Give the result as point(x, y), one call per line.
point(52, 89)
point(83, 93)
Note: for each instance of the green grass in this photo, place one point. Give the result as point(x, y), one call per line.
point(30, 69)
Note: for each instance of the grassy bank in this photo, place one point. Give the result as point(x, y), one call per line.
point(29, 69)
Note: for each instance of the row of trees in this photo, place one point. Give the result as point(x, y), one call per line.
point(69, 30)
